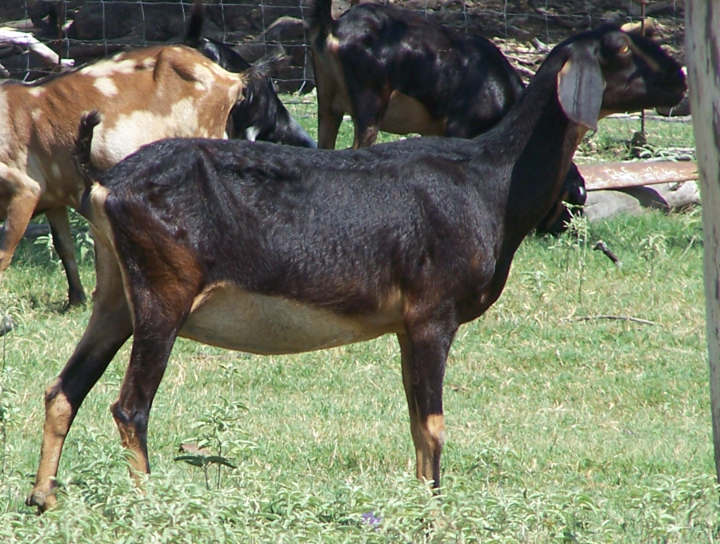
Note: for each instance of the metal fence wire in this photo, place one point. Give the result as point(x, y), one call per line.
point(84, 30)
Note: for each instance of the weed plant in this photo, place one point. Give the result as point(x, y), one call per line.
point(577, 411)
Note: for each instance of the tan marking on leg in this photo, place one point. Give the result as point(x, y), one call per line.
point(367, 138)
point(58, 417)
point(428, 447)
point(435, 425)
point(332, 43)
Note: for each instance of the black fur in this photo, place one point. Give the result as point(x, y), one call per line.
point(261, 110)
point(412, 238)
point(464, 80)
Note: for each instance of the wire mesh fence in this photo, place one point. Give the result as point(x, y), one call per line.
point(84, 30)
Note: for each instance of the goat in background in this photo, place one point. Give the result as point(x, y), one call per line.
point(397, 71)
point(261, 115)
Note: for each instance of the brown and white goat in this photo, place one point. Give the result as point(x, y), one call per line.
point(144, 95)
point(272, 249)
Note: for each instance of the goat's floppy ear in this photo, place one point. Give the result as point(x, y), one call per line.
point(580, 87)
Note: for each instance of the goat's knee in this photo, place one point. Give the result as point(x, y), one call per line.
point(24, 196)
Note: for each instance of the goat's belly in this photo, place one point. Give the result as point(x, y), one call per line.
point(233, 318)
point(406, 114)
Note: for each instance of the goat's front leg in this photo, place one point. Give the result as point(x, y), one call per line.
point(328, 125)
point(424, 353)
point(63, 241)
point(107, 330)
point(370, 107)
point(23, 194)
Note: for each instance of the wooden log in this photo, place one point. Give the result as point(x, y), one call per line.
point(621, 175)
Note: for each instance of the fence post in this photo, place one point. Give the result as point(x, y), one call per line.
point(702, 40)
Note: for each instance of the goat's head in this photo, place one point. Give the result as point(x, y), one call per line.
point(260, 115)
point(607, 70)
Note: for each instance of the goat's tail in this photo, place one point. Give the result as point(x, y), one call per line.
point(320, 17)
point(193, 32)
point(81, 155)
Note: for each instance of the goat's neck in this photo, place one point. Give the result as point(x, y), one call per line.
point(541, 155)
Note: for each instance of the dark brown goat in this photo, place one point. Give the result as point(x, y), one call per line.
point(395, 70)
point(272, 249)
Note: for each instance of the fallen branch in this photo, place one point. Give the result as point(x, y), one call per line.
point(612, 317)
point(24, 39)
point(602, 246)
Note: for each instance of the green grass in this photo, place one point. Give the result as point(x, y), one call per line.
point(563, 425)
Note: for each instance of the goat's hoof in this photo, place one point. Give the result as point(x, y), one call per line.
point(43, 501)
point(6, 324)
point(76, 299)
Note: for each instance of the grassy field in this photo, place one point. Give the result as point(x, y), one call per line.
point(564, 424)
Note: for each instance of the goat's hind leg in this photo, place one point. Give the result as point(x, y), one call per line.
point(106, 332)
point(158, 315)
point(328, 126)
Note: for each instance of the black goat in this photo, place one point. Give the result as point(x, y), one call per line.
point(261, 115)
point(271, 249)
point(394, 70)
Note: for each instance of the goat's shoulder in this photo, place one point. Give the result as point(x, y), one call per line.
point(383, 24)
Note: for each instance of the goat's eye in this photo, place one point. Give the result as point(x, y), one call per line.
point(616, 45)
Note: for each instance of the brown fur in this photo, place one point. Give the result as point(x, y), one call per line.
point(144, 95)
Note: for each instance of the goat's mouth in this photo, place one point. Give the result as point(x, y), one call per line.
point(669, 91)
point(667, 95)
